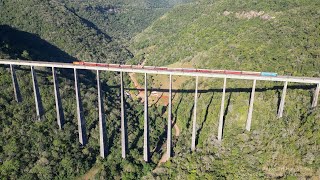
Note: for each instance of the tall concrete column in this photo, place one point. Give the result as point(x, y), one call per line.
point(220, 130)
point(37, 97)
point(283, 98)
point(102, 122)
point(15, 84)
point(146, 149)
point(194, 123)
point(81, 121)
point(248, 126)
point(59, 110)
point(124, 138)
point(315, 97)
point(169, 133)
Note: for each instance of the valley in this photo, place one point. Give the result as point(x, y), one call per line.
point(264, 36)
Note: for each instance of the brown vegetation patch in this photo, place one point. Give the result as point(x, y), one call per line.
point(249, 15)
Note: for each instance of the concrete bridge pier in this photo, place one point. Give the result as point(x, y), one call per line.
point(59, 109)
point(248, 126)
point(169, 132)
point(283, 98)
point(102, 122)
point(315, 97)
point(124, 137)
point(194, 123)
point(15, 84)
point(81, 122)
point(37, 97)
point(146, 148)
point(220, 130)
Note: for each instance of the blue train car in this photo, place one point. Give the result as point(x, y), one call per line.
point(269, 74)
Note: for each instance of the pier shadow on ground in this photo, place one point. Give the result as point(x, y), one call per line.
point(226, 112)
point(204, 119)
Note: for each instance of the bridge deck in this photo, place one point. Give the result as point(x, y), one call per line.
point(153, 71)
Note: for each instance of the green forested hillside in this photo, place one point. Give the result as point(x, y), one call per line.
point(265, 35)
point(278, 36)
point(281, 36)
point(16, 44)
point(55, 23)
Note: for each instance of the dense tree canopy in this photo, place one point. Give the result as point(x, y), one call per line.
point(266, 35)
point(58, 25)
point(279, 36)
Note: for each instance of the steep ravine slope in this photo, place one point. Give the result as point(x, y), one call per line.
point(55, 23)
point(278, 36)
point(122, 19)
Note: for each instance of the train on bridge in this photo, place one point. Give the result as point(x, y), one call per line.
point(189, 70)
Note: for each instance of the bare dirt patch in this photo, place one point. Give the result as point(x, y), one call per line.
point(91, 173)
point(249, 15)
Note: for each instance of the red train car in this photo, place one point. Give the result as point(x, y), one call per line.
point(175, 69)
point(148, 67)
point(218, 71)
point(114, 65)
point(161, 68)
point(90, 64)
point(102, 65)
point(126, 66)
point(211, 71)
point(189, 70)
point(136, 66)
point(232, 72)
point(204, 70)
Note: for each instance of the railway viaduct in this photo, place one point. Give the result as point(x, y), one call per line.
point(145, 71)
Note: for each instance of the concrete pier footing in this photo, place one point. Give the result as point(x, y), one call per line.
point(316, 96)
point(102, 121)
point(59, 109)
point(15, 84)
point(81, 121)
point(248, 125)
point(124, 138)
point(220, 128)
point(283, 98)
point(37, 97)
point(169, 128)
point(146, 148)
point(194, 123)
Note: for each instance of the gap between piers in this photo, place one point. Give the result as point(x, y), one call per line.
point(155, 98)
